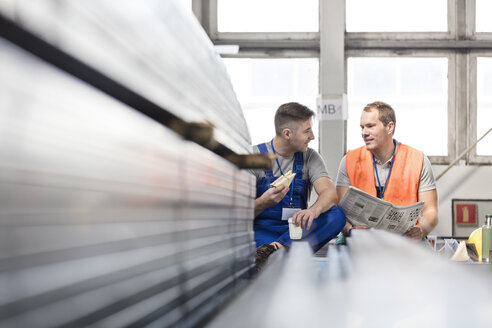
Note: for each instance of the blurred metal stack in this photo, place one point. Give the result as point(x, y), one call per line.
point(107, 217)
point(379, 279)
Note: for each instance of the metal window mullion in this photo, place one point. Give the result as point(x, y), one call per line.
point(470, 12)
point(399, 36)
point(473, 101)
point(460, 19)
point(430, 44)
point(210, 6)
point(197, 8)
point(332, 133)
point(206, 14)
point(268, 36)
point(452, 108)
point(483, 36)
point(274, 53)
point(452, 18)
point(461, 102)
point(461, 78)
point(262, 42)
point(398, 52)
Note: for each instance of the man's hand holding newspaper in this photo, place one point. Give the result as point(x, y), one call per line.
point(363, 209)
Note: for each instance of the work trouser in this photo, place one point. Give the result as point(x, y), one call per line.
point(323, 229)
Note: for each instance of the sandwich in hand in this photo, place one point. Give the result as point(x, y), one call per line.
point(285, 179)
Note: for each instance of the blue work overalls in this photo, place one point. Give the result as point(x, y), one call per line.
point(270, 227)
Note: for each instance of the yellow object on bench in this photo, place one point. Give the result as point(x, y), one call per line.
point(476, 238)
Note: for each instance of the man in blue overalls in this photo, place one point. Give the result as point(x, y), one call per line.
point(274, 205)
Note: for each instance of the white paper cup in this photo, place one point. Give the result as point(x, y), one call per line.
point(295, 232)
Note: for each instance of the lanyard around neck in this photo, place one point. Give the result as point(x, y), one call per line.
point(291, 190)
point(381, 192)
point(271, 142)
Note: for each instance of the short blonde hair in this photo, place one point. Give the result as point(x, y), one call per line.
point(385, 111)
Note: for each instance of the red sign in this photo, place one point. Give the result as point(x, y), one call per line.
point(466, 214)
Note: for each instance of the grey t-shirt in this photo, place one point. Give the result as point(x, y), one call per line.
point(426, 183)
point(314, 165)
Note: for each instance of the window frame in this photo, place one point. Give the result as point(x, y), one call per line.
point(286, 55)
point(461, 44)
point(217, 35)
point(471, 6)
point(473, 158)
point(256, 41)
point(450, 34)
point(353, 38)
point(451, 87)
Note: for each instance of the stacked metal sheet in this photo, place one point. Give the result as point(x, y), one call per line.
point(108, 218)
point(155, 48)
point(380, 280)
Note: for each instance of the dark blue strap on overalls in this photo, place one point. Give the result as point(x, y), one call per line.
point(298, 164)
point(263, 149)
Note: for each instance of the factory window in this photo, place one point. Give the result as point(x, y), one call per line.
point(267, 16)
point(484, 105)
point(261, 85)
point(429, 59)
point(396, 16)
point(417, 88)
point(483, 21)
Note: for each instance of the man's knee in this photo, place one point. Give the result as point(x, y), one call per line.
point(335, 217)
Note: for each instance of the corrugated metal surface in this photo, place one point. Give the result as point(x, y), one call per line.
point(155, 48)
point(107, 217)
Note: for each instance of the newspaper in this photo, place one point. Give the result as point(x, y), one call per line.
point(367, 210)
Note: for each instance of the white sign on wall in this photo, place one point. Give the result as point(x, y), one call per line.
point(332, 107)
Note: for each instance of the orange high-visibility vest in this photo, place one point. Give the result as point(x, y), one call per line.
point(403, 183)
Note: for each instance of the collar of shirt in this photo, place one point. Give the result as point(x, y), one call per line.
point(388, 162)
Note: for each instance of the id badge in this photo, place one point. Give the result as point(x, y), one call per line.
point(288, 212)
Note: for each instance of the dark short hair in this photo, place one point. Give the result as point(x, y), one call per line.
point(385, 111)
point(291, 113)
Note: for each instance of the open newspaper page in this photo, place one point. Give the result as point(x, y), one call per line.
point(362, 208)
